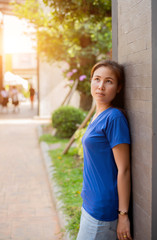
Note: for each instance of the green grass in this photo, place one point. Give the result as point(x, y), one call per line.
point(68, 175)
point(48, 138)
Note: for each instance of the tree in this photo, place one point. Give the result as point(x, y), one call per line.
point(75, 31)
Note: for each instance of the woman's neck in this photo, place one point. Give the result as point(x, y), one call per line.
point(100, 108)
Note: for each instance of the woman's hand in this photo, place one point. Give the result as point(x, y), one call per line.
point(123, 228)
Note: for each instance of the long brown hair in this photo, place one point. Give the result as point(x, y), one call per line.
point(118, 70)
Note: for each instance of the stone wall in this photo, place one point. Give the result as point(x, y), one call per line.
point(135, 51)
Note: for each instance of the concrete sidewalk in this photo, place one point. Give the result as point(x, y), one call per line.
point(27, 211)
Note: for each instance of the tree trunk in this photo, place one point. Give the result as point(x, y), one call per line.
point(85, 101)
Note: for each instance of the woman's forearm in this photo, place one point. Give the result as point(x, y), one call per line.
point(123, 184)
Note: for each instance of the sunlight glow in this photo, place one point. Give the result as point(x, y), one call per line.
point(15, 39)
point(24, 121)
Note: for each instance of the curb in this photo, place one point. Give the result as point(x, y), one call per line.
point(55, 189)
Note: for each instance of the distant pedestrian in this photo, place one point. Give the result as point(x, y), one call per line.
point(4, 99)
point(32, 94)
point(15, 99)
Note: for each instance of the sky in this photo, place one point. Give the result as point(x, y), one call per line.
point(14, 39)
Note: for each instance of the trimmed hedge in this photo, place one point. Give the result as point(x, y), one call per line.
point(66, 120)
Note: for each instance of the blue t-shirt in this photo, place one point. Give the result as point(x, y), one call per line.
point(99, 192)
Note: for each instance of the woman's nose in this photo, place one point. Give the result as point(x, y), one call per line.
point(101, 85)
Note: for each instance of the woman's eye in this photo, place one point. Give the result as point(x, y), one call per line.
point(109, 81)
point(97, 79)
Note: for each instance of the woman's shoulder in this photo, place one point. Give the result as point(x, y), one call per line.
point(115, 113)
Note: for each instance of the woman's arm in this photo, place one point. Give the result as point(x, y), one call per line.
point(121, 154)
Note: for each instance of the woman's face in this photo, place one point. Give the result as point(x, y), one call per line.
point(104, 85)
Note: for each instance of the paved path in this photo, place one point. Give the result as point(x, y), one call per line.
point(27, 211)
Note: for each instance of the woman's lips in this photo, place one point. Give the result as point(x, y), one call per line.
point(102, 94)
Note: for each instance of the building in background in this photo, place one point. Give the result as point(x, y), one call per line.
point(24, 65)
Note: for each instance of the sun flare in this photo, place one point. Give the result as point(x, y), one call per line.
point(15, 39)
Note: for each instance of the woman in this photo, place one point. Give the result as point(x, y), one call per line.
point(106, 175)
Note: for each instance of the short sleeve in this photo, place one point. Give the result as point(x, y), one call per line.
point(117, 131)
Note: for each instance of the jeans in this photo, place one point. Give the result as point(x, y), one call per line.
point(93, 229)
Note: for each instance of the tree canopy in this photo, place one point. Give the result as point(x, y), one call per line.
point(75, 31)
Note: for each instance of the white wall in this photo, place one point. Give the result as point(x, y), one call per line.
point(52, 88)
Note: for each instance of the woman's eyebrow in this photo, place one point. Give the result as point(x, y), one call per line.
point(105, 77)
point(97, 76)
point(109, 78)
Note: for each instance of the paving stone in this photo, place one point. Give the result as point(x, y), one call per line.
point(27, 211)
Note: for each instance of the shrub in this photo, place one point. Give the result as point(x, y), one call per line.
point(66, 120)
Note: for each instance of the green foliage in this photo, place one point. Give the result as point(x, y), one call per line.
point(78, 137)
point(75, 31)
point(79, 9)
point(66, 120)
point(25, 93)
